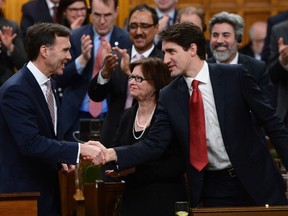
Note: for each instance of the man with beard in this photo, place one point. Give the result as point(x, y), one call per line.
point(226, 31)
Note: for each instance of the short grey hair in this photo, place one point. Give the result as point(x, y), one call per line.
point(235, 20)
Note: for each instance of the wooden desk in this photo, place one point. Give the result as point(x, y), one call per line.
point(241, 211)
point(103, 199)
point(15, 204)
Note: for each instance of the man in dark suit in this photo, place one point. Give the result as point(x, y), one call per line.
point(37, 11)
point(29, 151)
point(278, 66)
point(116, 81)
point(240, 169)
point(12, 52)
point(273, 20)
point(226, 30)
point(85, 43)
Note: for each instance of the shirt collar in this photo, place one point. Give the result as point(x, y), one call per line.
point(145, 54)
point(39, 76)
point(202, 76)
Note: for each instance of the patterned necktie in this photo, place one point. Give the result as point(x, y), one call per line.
point(54, 13)
point(198, 145)
point(50, 100)
point(95, 108)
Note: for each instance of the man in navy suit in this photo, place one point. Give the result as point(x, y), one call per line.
point(85, 43)
point(240, 169)
point(30, 154)
point(37, 11)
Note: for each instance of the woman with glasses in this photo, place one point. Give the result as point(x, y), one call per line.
point(151, 188)
point(72, 13)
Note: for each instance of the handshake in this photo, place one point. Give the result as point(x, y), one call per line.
point(98, 154)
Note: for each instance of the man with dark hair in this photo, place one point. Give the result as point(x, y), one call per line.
point(226, 162)
point(30, 152)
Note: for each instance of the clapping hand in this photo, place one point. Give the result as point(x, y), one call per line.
point(125, 61)
point(7, 36)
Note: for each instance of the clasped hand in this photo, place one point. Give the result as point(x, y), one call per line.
point(95, 152)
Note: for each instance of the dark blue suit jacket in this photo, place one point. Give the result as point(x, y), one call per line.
point(75, 85)
point(116, 93)
point(33, 12)
point(236, 96)
point(29, 151)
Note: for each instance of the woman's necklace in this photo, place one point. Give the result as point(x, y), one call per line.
point(144, 126)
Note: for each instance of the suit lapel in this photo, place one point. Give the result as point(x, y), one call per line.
point(218, 86)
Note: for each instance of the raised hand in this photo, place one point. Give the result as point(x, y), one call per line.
point(77, 23)
point(86, 46)
point(7, 36)
point(283, 51)
point(125, 61)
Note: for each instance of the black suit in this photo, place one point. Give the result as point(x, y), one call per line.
point(236, 95)
point(273, 20)
point(155, 186)
point(116, 93)
point(278, 74)
point(33, 12)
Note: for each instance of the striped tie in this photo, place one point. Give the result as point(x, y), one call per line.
point(50, 100)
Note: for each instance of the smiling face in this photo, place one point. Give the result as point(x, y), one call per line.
point(142, 37)
point(144, 90)
point(56, 56)
point(103, 16)
point(223, 43)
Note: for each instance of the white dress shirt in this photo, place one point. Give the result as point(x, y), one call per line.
point(217, 156)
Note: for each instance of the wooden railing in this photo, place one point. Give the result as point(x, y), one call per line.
point(15, 204)
point(241, 211)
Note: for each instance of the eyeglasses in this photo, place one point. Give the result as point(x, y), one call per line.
point(144, 26)
point(77, 10)
point(138, 79)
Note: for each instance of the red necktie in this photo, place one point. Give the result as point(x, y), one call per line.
point(95, 108)
point(198, 146)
